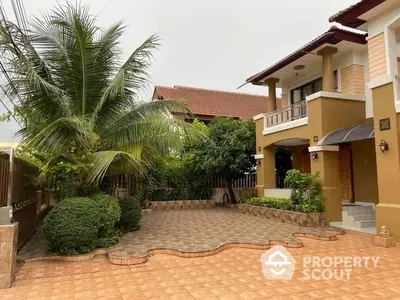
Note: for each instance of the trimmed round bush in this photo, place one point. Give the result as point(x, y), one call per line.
point(131, 214)
point(79, 225)
point(110, 214)
point(72, 226)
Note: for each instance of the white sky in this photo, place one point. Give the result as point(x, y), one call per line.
point(214, 44)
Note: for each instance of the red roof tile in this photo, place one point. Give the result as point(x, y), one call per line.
point(215, 103)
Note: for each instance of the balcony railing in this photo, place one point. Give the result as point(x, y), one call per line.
point(286, 114)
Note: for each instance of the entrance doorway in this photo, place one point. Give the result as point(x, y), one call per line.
point(346, 173)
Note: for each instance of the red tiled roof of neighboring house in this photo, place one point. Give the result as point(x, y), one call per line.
point(333, 36)
point(203, 102)
point(349, 16)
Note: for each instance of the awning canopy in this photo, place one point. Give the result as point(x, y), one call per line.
point(346, 135)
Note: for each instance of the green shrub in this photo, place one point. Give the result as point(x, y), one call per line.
point(131, 214)
point(72, 226)
point(306, 192)
point(79, 225)
point(272, 202)
point(110, 213)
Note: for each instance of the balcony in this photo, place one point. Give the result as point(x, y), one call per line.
point(285, 115)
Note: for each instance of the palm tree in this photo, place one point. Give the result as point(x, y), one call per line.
point(74, 95)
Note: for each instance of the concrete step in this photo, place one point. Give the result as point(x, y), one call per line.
point(368, 217)
point(356, 208)
point(361, 224)
point(358, 213)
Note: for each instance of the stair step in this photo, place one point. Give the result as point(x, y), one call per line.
point(363, 217)
point(359, 213)
point(357, 208)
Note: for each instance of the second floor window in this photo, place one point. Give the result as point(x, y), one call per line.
point(300, 93)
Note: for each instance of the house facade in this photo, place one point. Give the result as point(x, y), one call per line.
point(341, 115)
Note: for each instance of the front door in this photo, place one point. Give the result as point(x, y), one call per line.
point(345, 170)
point(306, 162)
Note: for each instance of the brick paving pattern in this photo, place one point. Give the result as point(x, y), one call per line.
point(194, 230)
point(228, 275)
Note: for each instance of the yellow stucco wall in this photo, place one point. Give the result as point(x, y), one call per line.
point(388, 163)
point(364, 171)
point(377, 56)
point(324, 116)
point(352, 80)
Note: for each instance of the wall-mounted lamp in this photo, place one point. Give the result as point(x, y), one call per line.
point(384, 146)
point(314, 156)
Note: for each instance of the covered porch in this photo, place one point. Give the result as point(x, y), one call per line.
point(345, 160)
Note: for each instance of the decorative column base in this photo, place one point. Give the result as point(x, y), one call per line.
point(8, 254)
point(385, 242)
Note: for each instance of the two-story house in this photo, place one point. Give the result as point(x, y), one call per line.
point(340, 118)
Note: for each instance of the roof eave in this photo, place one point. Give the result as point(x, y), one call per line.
point(333, 36)
point(350, 16)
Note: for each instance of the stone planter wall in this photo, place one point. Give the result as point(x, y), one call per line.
point(182, 204)
point(285, 216)
point(8, 254)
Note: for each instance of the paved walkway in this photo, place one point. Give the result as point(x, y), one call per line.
point(233, 274)
point(194, 231)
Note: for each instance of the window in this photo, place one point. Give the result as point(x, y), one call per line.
point(300, 93)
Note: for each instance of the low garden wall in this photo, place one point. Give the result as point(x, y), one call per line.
point(182, 204)
point(285, 216)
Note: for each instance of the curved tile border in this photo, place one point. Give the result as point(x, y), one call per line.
point(329, 234)
point(182, 204)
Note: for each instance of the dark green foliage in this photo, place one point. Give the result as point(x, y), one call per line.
point(229, 150)
point(179, 178)
point(306, 195)
point(131, 214)
point(272, 202)
point(110, 213)
point(79, 225)
point(306, 191)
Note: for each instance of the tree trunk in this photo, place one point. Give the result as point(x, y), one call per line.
point(230, 190)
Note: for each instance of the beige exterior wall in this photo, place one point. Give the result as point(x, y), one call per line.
point(324, 116)
point(364, 171)
point(377, 56)
point(352, 80)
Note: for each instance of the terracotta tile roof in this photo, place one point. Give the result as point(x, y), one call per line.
point(215, 103)
point(349, 16)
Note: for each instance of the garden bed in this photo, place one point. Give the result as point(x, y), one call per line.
point(182, 204)
point(313, 219)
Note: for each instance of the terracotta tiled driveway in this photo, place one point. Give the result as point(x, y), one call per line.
point(193, 231)
point(231, 274)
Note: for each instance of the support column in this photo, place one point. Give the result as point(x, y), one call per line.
point(266, 171)
point(328, 80)
point(326, 165)
point(271, 104)
point(387, 128)
point(8, 254)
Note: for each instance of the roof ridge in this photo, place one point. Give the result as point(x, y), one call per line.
point(218, 91)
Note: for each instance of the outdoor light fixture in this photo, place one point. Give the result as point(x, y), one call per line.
point(314, 156)
point(384, 146)
point(299, 67)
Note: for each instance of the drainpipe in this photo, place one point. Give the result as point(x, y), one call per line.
point(10, 178)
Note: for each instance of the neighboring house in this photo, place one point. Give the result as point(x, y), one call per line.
point(207, 104)
point(342, 116)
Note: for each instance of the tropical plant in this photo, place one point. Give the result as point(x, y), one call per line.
point(229, 152)
point(78, 103)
